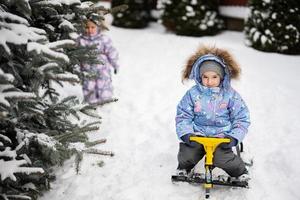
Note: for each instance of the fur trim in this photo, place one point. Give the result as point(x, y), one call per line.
point(233, 66)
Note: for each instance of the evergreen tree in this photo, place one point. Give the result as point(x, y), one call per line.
point(191, 17)
point(35, 122)
point(274, 26)
point(136, 16)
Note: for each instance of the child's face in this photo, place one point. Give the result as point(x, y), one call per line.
point(210, 79)
point(90, 28)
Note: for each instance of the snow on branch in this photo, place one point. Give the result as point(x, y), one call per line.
point(45, 140)
point(48, 66)
point(85, 5)
point(8, 153)
point(5, 138)
point(14, 196)
point(67, 24)
point(4, 87)
point(60, 44)
point(98, 151)
point(13, 94)
point(10, 167)
point(72, 78)
point(38, 31)
point(59, 2)
point(44, 49)
point(6, 76)
point(18, 34)
point(51, 2)
point(40, 138)
point(14, 18)
point(69, 2)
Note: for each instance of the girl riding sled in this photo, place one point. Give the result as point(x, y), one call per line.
point(211, 108)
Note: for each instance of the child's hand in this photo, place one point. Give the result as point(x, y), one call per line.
point(186, 140)
point(233, 142)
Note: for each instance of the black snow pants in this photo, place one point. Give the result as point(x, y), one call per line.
point(225, 159)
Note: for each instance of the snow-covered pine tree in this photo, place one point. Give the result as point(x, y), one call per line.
point(191, 17)
point(273, 26)
point(136, 16)
point(35, 124)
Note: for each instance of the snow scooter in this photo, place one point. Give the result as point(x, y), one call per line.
point(210, 144)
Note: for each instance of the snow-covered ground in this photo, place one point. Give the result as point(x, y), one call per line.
point(140, 127)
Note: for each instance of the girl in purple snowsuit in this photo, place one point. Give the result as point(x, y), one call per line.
point(99, 89)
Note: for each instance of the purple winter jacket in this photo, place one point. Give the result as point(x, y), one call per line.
point(99, 89)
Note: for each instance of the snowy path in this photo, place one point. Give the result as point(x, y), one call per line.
point(140, 126)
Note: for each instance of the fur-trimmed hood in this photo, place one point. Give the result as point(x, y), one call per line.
point(204, 53)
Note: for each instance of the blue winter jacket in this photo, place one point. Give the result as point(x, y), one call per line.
point(211, 111)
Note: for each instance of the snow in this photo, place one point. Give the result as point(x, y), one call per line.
point(10, 167)
point(47, 2)
point(18, 33)
point(256, 36)
point(140, 127)
point(263, 39)
point(6, 76)
point(11, 94)
point(67, 76)
point(8, 153)
point(202, 26)
point(194, 2)
point(45, 49)
point(66, 23)
point(240, 12)
point(45, 140)
point(3, 137)
point(60, 43)
point(190, 11)
point(6, 15)
point(69, 2)
point(48, 66)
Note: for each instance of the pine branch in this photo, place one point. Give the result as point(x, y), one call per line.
point(93, 143)
point(69, 137)
point(41, 49)
point(68, 99)
point(10, 167)
point(7, 197)
point(88, 127)
point(90, 113)
point(98, 151)
point(105, 102)
point(78, 159)
point(71, 78)
point(120, 8)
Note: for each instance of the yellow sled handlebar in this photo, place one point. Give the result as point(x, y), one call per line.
point(210, 144)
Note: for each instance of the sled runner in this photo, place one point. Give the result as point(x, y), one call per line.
point(207, 179)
